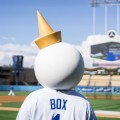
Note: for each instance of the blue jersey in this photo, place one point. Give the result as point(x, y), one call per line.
point(47, 104)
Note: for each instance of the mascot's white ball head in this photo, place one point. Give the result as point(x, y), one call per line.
point(58, 65)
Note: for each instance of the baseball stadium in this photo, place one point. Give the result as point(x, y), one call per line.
point(100, 83)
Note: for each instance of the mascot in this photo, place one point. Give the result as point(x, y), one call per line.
point(58, 67)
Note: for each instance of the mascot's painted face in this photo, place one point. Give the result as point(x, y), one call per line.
point(59, 66)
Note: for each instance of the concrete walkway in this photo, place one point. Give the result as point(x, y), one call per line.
point(108, 114)
point(9, 109)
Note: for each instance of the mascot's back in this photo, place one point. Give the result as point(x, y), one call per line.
point(58, 67)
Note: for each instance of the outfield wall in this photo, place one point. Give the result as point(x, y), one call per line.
point(82, 89)
point(98, 89)
point(19, 87)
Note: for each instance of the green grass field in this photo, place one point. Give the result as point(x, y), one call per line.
point(108, 118)
point(97, 104)
point(105, 104)
point(5, 93)
point(7, 115)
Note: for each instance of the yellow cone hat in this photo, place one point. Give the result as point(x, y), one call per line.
point(47, 35)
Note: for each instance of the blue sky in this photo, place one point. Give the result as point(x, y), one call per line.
point(18, 19)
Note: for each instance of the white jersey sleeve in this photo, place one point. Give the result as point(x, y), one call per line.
point(24, 112)
point(47, 104)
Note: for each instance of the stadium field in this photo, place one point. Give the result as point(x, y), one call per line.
point(11, 115)
point(105, 104)
point(5, 93)
point(97, 104)
point(7, 115)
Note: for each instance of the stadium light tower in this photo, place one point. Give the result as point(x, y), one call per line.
point(105, 3)
point(17, 66)
point(118, 16)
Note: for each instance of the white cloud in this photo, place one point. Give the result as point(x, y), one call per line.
point(8, 50)
point(13, 39)
point(4, 59)
point(30, 51)
point(8, 38)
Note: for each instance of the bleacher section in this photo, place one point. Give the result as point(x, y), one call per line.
point(116, 77)
point(100, 80)
point(85, 80)
point(115, 80)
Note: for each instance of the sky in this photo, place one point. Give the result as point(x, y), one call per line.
point(19, 27)
point(18, 19)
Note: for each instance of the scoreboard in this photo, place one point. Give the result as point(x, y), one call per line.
point(109, 51)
